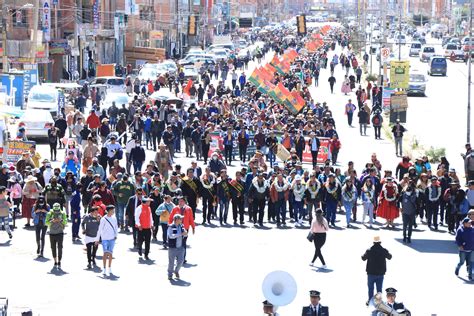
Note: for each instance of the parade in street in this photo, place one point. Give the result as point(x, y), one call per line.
point(303, 164)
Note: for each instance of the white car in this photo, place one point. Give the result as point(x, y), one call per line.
point(220, 54)
point(417, 83)
point(415, 49)
point(169, 65)
point(43, 97)
point(118, 98)
point(427, 52)
point(36, 123)
point(113, 84)
point(150, 73)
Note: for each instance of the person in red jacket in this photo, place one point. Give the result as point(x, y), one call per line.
point(144, 223)
point(188, 220)
point(93, 121)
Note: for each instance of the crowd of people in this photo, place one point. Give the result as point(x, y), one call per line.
point(96, 190)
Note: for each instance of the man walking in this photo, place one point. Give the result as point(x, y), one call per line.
point(376, 266)
point(144, 223)
point(377, 121)
point(332, 81)
point(187, 219)
point(350, 108)
point(176, 243)
point(408, 201)
point(465, 242)
point(398, 131)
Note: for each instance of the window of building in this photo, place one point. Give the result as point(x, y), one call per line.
point(147, 13)
point(19, 18)
point(142, 39)
point(86, 12)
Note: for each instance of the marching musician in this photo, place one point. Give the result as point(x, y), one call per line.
point(315, 309)
point(268, 308)
point(391, 295)
point(191, 187)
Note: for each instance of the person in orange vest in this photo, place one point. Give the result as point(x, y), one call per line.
point(188, 218)
point(144, 223)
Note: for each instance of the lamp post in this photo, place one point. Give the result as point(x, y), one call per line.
point(468, 136)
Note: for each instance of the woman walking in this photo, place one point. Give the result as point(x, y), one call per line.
point(108, 229)
point(349, 198)
point(40, 210)
point(90, 228)
point(31, 191)
point(368, 201)
point(319, 228)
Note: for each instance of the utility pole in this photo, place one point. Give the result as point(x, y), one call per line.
point(468, 138)
point(400, 33)
point(4, 38)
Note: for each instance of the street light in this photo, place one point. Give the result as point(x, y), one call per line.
point(468, 138)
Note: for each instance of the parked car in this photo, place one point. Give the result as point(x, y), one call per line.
point(170, 66)
point(36, 123)
point(401, 39)
point(437, 65)
point(415, 49)
point(426, 53)
point(150, 73)
point(118, 98)
point(452, 48)
point(43, 97)
point(192, 60)
point(220, 54)
point(113, 84)
point(417, 83)
point(191, 73)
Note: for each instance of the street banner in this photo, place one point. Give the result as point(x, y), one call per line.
point(282, 153)
point(216, 143)
point(96, 14)
point(399, 74)
point(398, 102)
point(46, 14)
point(386, 94)
point(15, 149)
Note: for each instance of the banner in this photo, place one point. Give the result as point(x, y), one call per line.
point(46, 13)
point(15, 149)
point(399, 74)
point(96, 14)
point(386, 94)
point(156, 35)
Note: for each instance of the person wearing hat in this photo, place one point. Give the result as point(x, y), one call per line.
point(433, 196)
point(31, 192)
point(376, 257)
point(315, 308)
point(97, 168)
point(56, 220)
point(465, 242)
point(188, 219)
point(258, 194)
point(90, 228)
point(298, 189)
point(269, 308)
point(408, 201)
point(387, 207)
point(169, 140)
point(163, 160)
point(163, 211)
point(457, 206)
point(191, 186)
point(349, 198)
point(144, 224)
point(108, 231)
point(91, 150)
point(398, 130)
point(23, 162)
point(391, 295)
point(114, 150)
point(176, 236)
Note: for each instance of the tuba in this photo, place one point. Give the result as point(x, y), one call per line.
point(279, 288)
point(380, 308)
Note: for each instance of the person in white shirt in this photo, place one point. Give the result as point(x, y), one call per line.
point(112, 150)
point(108, 229)
point(128, 148)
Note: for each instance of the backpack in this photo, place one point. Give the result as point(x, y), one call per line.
point(376, 120)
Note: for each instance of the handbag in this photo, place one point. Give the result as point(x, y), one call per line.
point(310, 236)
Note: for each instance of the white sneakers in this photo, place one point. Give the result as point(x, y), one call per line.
point(107, 271)
point(323, 266)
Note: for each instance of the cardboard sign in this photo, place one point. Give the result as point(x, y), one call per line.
point(15, 149)
point(398, 102)
point(282, 153)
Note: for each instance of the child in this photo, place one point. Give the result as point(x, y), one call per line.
point(164, 211)
point(4, 210)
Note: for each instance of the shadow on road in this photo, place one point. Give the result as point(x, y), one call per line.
point(179, 282)
point(431, 246)
point(189, 265)
point(321, 270)
point(42, 259)
point(6, 243)
point(57, 272)
point(146, 262)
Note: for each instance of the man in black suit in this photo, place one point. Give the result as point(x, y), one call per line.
point(315, 309)
point(391, 295)
point(197, 171)
point(133, 202)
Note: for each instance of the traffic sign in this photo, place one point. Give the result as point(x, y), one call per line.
point(385, 52)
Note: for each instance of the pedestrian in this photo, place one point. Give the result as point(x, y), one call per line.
point(137, 156)
point(349, 111)
point(349, 198)
point(368, 200)
point(398, 130)
point(163, 211)
point(465, 242)
point(5, 206)
point(75, 206)
point(332, 197)
point(187, 219)
point(408, 200)
point(144, 224)
point(387, 204)
point(376, 257)
point(319, 228)
point(177, 245)
point(332, 81)
point(358, 72)
point(315, 308)
point(31, 191)
point(107, 233)
point(377, 121)
point(56, 219)
point(363, 120)
point(90, 228)
point(432, 196)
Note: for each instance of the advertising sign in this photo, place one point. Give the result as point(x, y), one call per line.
point(46, 13)
point(15, 149)
point(399, 74)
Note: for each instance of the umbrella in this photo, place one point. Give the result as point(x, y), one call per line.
point(162, 95)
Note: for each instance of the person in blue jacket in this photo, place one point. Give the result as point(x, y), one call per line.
point(75, 206)
point(465, 242)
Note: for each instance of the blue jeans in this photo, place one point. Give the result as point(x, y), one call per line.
point(120, 212)
point(465, 256)
point(378, 280)
point(298, 210)
point(223, 210)
point(348, 207)
point(137, 165)
point(271, 157)
point(175, 255)
point(4, 220)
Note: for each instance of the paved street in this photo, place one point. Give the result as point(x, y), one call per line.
point(227, 264)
